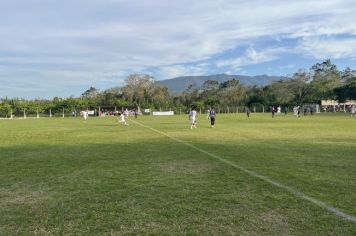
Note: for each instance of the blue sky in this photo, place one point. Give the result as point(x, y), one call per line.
point(60, 48)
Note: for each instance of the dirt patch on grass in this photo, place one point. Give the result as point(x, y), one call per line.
point(185, 167)
point(24, 194)
point(275, 223)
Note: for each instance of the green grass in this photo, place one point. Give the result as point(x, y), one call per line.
point(64, 176)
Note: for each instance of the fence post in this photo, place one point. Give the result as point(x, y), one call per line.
point(263, 109)
point(63, 113)
point(38, 115)
point(24, 113)
point(50, 113)
point(11, 115)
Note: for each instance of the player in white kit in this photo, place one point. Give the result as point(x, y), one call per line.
point(193, 118)
point(85, 115)
point(122, 118)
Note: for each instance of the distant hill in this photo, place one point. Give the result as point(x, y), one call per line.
point(179, 84)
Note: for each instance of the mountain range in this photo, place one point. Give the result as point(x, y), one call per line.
point(179, 84)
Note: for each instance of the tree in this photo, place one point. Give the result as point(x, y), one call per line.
point(325, 78)
point(210, 86)
point(346, 92)
point(322, 81)
point(212, 101)
point(138, 88)
point(300, 87)
point(198, 105)
point(232, 93)
point(160, 96)
point(91, 93)
point(256, 99)
point(282, 93)
point(255, 95)
point(190, 95)
point(5, 109)
point(108, 99)
point(208, 94)
point(230, 83)
point(348, 75)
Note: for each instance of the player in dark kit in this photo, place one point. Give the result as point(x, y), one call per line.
point(247, 112)
point(212, 117)
point(273, 110)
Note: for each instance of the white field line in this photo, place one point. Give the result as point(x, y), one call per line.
point(296, 193)
point(20, 118)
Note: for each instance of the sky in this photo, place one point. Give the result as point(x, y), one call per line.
point(60, 48)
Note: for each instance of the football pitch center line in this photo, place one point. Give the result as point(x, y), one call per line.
point(294, 192)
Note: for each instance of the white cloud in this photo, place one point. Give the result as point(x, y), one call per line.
point(104, 38)
point(251, 57)
point(168, 72)
point(323, 48)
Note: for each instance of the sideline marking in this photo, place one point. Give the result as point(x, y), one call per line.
point(297, 193)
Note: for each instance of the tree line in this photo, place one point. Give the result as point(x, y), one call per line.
point(322, 81)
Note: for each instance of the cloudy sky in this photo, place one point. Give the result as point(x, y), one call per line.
point(60, 48)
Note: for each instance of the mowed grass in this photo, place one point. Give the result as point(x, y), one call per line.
point(67, 177)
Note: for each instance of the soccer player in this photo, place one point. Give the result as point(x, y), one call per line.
point(212, 115)
point(273, 110)
point(85, 115)
point(122, 118)
point(193, 118)
point(247, 112)
point(126, 112)
point(295, 110)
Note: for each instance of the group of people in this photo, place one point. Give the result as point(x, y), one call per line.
point(296, 111)
point(211, 115)
point(278, 110)
point(193, 117)
point(121, 116)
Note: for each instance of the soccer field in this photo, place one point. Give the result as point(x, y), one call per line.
point(257, 176)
